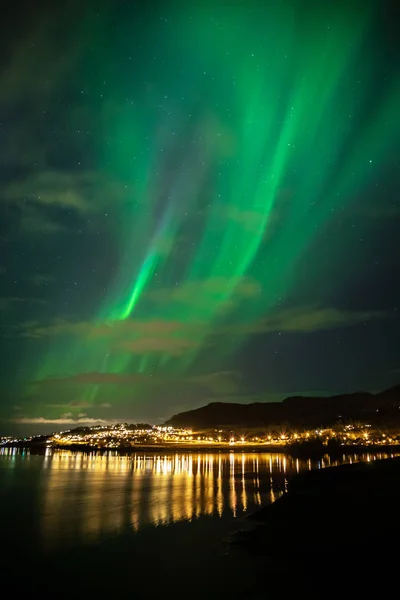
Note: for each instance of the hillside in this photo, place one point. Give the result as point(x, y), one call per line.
point(299, 411)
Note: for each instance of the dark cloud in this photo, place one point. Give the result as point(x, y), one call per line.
point(167, 345)
point(10, 302)
point(114, 329)
point(66, 419)
point(212, 289)
point(306, 320)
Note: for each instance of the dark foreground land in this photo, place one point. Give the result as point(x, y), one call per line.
point(335, 534)
point(335, 528)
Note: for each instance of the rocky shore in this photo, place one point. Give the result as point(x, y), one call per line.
point(340, 524)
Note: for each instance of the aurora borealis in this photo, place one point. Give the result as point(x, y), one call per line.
point(200, 203)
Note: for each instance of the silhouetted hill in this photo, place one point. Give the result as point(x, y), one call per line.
point(296, 411)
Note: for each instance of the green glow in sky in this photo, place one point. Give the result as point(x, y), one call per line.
point(250, 132)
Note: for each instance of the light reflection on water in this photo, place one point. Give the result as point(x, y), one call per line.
point(81, 497)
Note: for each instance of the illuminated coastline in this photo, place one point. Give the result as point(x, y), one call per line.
point(132, 437)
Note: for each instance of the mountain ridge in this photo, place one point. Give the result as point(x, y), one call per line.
point(295, 411)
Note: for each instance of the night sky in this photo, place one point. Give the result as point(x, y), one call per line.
point(199, 202)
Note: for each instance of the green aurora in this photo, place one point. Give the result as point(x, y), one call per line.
point(235, 153)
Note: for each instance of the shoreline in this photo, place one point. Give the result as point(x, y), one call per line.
point(198, 448)
point(332, 511)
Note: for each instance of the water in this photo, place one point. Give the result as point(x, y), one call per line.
point(143, 515)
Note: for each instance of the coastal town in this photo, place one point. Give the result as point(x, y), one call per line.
point(126, 436)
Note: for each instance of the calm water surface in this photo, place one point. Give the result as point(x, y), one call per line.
point(77, 511)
